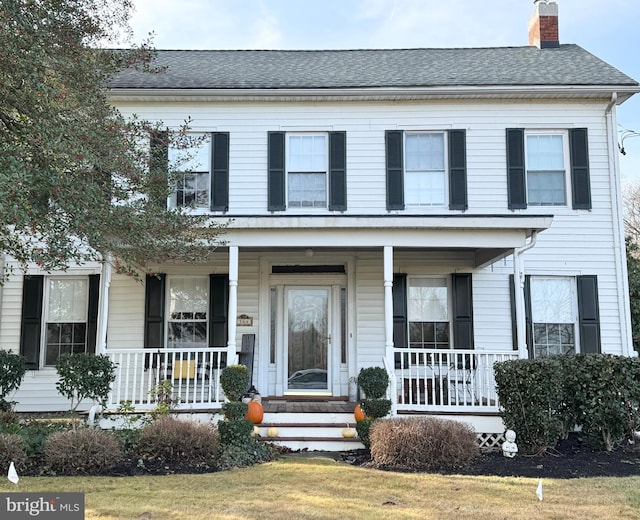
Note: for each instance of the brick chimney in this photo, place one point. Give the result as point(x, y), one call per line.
point(543, 25)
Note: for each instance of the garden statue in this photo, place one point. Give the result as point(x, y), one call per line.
point(509, 447)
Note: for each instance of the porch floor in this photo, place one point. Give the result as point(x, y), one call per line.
point(307, 406)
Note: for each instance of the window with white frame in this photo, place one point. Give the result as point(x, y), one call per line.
point(545, 165)
point(193, 165)
point(553, 315)
point(425, 180)
point(307, 159)
point(188, 302)
point(66, 307)
point(428, 312)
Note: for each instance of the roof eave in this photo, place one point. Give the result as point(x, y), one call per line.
point(374, 93)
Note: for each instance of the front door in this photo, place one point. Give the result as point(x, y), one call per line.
point(307, 340)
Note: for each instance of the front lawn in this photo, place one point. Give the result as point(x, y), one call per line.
point(317, 488)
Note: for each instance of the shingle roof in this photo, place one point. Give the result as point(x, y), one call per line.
point(254, 69)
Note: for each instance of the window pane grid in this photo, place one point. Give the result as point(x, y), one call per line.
point(425, 170)
point(546, 181)
point(192, 189)
point(188, 312)
point(428, 334)
point(553, 338)
point(307, 171)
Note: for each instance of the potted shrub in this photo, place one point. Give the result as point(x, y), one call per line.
point(373, 383)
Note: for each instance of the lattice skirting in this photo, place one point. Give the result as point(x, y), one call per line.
point(490, 441)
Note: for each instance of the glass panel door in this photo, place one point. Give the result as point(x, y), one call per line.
point(307, 339)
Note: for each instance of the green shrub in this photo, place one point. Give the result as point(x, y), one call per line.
point(530, 393)
point(175, 441)
point(12, 370)
point(235, 411)
point(234, 380)
point(85, 376)
point(86, 451)
point(12, 449)
point(422, 443)
point(363, 428)
point(35, 433)
point(376, 408)
point(373, 381)
point(602, 394)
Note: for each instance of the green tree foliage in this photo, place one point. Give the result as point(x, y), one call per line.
point(633, 269)
point(77, 178)
point(85, 376)
point(12, 372)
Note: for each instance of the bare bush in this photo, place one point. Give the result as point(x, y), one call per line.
point(172, 440)
point(86, 451)
point(419, 443)
point(12, 449)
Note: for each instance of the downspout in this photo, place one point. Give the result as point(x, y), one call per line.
point(619, 248)
point(518, 278)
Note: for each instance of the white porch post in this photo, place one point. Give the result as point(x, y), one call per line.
point(232, 357)
point(103, 306)
point(388, 323)
point(518, 281)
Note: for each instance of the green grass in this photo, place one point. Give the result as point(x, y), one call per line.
point(317, 488)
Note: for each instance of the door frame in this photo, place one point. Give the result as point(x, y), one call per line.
point(283, 313)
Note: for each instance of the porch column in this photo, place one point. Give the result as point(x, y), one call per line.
point(103, 306)
point(388, 324)
point(232, 356)
point(518, 282)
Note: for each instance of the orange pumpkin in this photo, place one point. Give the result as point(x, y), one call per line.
point(358, 413)
point(255, 413)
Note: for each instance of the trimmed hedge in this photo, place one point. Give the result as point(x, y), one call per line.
point(544, 399)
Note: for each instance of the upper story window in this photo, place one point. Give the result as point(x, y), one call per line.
point(426, 169)
point(540, 164)
point(546, 175)
point(193, 183)
point(307, 171)
point(307, 159)
point(200, 169)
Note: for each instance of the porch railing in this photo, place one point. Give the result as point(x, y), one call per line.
point(193, 374)
point(454, 380)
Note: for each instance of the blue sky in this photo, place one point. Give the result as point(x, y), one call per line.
point(610, 29)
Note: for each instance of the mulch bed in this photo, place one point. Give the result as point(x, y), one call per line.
point(571, 458)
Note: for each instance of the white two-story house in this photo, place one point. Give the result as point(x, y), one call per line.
point(431, 211)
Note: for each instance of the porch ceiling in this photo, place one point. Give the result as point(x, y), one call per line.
point(486, 237)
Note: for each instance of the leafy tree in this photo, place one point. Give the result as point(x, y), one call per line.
point(78, 180)
point(85, 376)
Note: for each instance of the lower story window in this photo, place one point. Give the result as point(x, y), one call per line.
point(553, 315)
point(66, 318)
point(428, 313)
point(188, 309)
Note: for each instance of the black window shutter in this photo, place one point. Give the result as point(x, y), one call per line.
point(528, 315)
point(220, 171)
point(159, 164)
point(514, 321)
point(31, 322)
point(338, 171)
point(154, 296)
point(579, 156)
point(92, 312)
point(276, 171)
point(400, 315)
point(218, 310)
point(462, 310)
point(395, 170)
point(457, 170)
point(516, 183)
point(588, 314)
